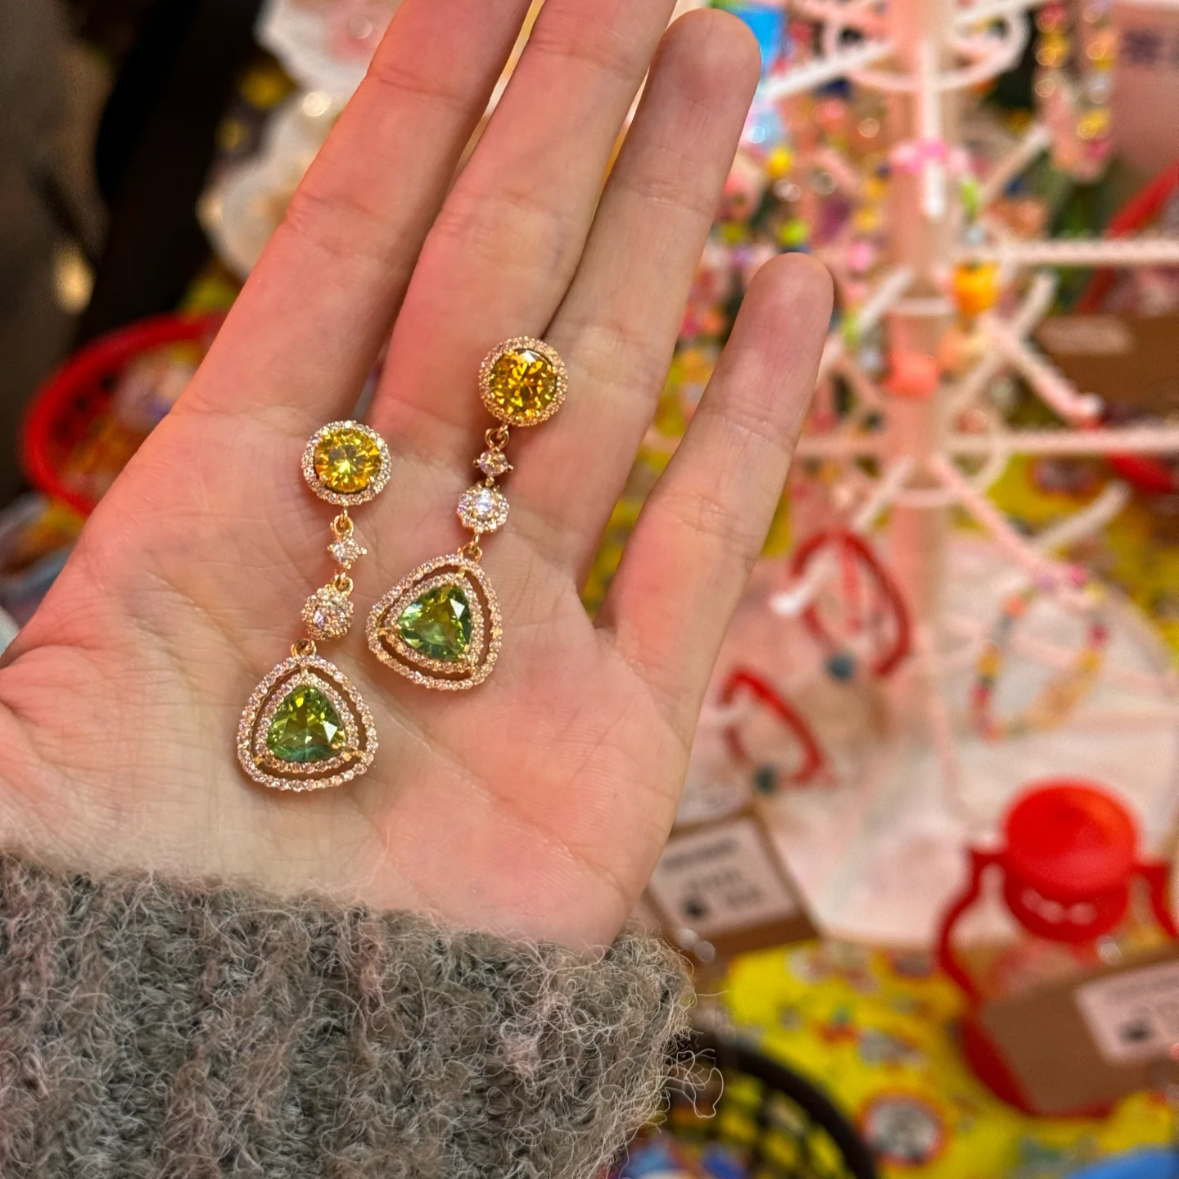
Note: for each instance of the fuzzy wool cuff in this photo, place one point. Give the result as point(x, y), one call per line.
point(157, 1030)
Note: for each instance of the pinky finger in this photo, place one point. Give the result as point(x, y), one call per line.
point(706, 521)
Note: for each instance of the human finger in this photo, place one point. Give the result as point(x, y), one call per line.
point(499, 259)
point(314, 314)
point(706, 520)
point(618, 324)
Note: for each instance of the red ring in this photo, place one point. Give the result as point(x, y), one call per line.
point(889, 591)
point(814, 760)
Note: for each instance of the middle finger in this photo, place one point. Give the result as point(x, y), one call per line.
point(503, 250)
point(618, 324)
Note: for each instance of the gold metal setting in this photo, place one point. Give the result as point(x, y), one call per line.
point(440, 626)
point(386, 642)
point(324, 736)
point(360, 738)
point(483, 508)
point(345, 550)
point(373, 486)
point(545, 407)
point(327, 614)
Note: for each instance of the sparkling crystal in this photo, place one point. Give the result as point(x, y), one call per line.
point(347, 551)
point(327, 614)
point(523, 385)
point(493, 463)
point(306, 727)
point(347, 459)
point(483, 509)
point(438, 624)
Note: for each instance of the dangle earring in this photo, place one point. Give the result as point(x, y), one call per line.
point(440, 626)
point(306, 727)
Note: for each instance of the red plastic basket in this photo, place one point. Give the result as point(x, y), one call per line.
point(70, 406)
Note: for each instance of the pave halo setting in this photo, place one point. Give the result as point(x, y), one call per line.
point(305, 727)
point(440, 626)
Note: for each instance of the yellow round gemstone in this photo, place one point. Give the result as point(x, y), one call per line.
point(523, 387)
point(347, 460)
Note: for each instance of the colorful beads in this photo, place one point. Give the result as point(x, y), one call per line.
point(1063, 692)
point(976, 287)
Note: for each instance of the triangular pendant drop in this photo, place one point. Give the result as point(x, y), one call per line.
point(440, 626)
point(306, 728)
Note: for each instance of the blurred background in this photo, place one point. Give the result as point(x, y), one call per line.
point(943, 736)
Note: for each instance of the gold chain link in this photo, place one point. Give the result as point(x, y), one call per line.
point(497, 438)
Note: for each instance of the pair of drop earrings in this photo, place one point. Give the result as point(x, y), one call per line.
point(306, 727)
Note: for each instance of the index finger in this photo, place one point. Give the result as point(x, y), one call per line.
point(308, 326)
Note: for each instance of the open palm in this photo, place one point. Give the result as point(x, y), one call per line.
point(536, 804)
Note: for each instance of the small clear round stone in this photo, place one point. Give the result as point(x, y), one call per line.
point(483, 509)
point(347, 551)
point(493, 463)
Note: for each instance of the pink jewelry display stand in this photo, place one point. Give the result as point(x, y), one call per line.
point(880, 853)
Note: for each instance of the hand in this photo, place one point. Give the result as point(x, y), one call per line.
point(537, 804)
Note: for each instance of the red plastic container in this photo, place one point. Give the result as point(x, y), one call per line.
point(1067, 869)
point(70, 406)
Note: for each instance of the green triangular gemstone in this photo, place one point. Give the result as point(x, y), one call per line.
point(438, 624)
point(306, 727)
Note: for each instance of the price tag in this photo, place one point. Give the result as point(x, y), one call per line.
point(721, 889)
point(1126, 360)
point(1084, 1043)
point(1133, 1016)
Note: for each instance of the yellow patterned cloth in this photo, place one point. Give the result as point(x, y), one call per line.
point(877, 1030)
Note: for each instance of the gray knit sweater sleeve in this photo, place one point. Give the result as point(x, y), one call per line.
point(149, 1029)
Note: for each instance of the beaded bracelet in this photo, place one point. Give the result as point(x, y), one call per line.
point(855, 552)
point(1062, 693)
point(814, 764)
